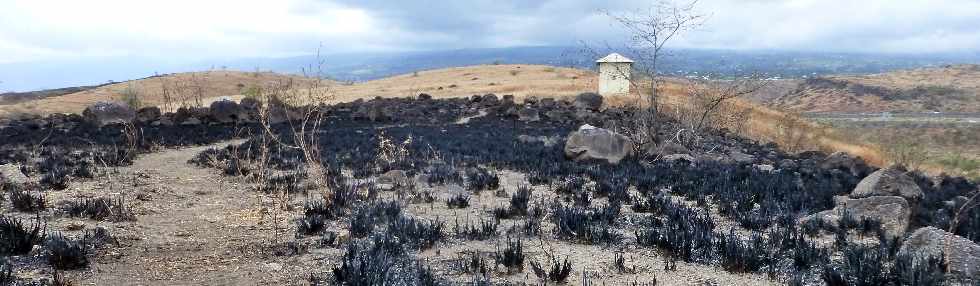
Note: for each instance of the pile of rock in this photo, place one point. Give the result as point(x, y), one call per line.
point(961, 254)
point(884, 196)
point(219, 112)
point(584, 108)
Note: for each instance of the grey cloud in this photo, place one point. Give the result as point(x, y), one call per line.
point(836, 25)
point(828, 25)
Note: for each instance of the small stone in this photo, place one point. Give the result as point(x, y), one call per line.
point(75, 226)
point(11, 173)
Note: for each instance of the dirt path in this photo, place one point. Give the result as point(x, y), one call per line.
point(195, 228)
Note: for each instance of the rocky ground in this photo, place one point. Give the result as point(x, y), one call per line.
point(480, 190)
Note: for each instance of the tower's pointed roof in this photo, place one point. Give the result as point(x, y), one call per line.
point(614, 58)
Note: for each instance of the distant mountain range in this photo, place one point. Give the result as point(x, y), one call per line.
point(367, 66)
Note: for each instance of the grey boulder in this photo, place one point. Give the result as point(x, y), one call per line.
point(890, 181)
point(741, 158)
point(672, 158)
point(962, 254)
point(893, 212)
point(546, 140)
point(394, 177)
point(10, 173)
point(595, 143)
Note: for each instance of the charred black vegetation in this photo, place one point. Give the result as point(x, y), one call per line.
point(473, 262)
point(558, 272)
point(458, 200)
point(379, 260)
point(64, 253)
point(480, 179)
point(16, 239)
point(483, 230)
point(586, 225)
point(511, 256)
point(100, 209)
point(6, 273)
point(669, 199)
point(870, 265)
point(27, 199)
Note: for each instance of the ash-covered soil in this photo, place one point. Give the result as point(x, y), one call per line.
point(473, 191)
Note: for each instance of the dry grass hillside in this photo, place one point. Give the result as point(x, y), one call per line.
point(944, 89)
point(180, 87)
point(518, 80)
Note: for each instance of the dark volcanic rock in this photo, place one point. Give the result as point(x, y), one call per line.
point(530, 100)
point(528, 114)
point(490, 99)
point(190, 115)
point(148, 114)
point(548, 103)
point(250, 109)
point(225, 111)
point(250, 103)
point(589, 101)
point(108, 112)
point(378, 113)
point(842, 161)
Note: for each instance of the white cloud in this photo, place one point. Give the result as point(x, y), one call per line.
point(907, 26)
point(201, 29)
point(191, 28)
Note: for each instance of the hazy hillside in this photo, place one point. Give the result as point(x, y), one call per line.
point(7, 98)
point(684, 62)
point(30, 76)
point(943, 89)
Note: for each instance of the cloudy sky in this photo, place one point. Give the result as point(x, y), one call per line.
point(48, 30)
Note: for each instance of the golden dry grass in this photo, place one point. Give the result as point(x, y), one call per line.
point(212, 84)
point(963, 78)
point(767, 125)
point(518, 80)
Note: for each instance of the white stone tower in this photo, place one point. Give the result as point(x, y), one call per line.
point(614, 75)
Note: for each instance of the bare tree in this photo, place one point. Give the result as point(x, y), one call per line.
point(710, 100)
point(302, 109)
point(711, 105)
point(650, 31)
